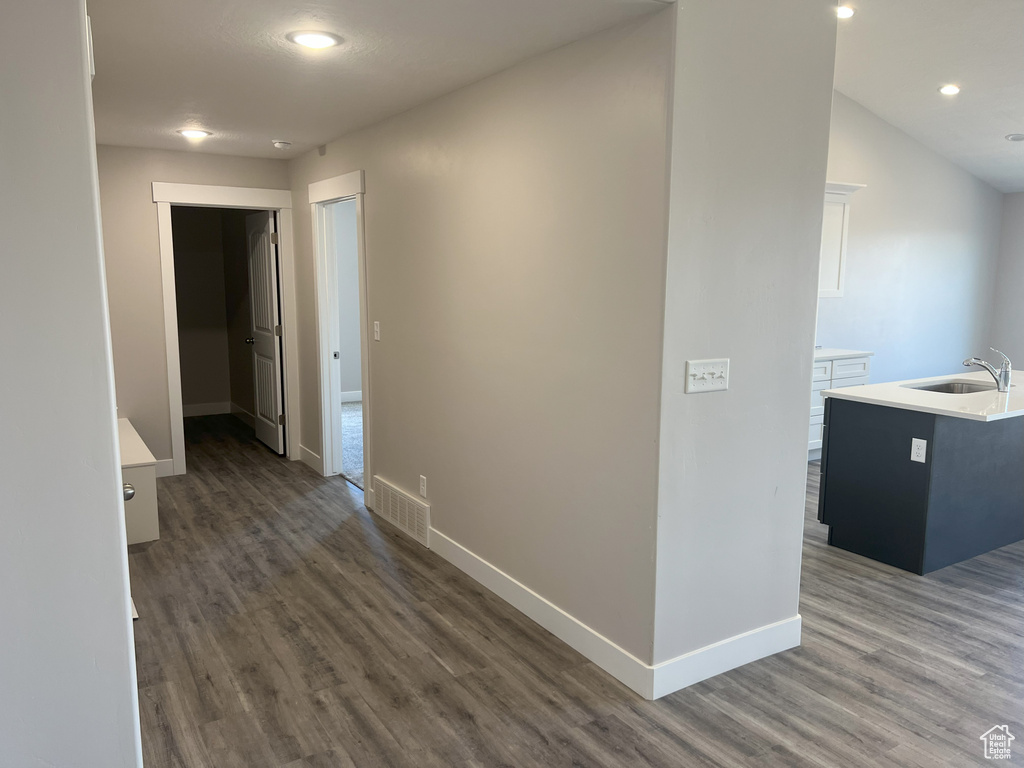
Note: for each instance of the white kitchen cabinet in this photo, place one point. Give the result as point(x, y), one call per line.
point(833, 368)
point(835, 223)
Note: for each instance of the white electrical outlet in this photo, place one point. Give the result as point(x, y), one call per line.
point(423, 486)
point(706, 375)
point(918, 449)
point(376, 330)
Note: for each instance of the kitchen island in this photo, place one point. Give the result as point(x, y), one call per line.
point(921, 479)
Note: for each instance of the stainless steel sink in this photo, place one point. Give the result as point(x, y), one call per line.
point(956, 387)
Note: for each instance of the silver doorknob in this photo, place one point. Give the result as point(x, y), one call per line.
point(250, 340)
point(129, 491)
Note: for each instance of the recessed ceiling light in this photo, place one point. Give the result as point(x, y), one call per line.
point(949, 90)
point(1015, 137)
point(194, 133)
point(844, 11)
point(314, 39)
point(281, 144)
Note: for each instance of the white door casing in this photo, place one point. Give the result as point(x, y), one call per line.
point(321, 193)
point(166, 194)
point(265, 315)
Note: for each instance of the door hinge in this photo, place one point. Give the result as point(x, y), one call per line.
point(273, 238)
point(277, 330)
point(280, 420)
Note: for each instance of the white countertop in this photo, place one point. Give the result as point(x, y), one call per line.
point(980, 406)
point(833, 353)
point(134, 452)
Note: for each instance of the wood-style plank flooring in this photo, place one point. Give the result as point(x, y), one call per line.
point(283, 625)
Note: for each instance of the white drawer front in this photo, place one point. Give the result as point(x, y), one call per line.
point(852, 381)
point(822, 370)
point(855, 366)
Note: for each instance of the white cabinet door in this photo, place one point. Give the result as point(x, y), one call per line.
point(834, 224)
point(833, 374)
point(821, 370)
point(854, 367)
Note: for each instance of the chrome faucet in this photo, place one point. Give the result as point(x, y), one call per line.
point(1002, 376)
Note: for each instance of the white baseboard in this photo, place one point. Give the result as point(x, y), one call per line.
point(164, 467)
point(312, 459)
point(205, 409)
point(352, 397)
point(682, 671)
point(240, 412)
point(651, 682)
point(369, 500)
point(617, 662)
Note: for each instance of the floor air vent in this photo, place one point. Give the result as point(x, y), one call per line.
point(402, 510)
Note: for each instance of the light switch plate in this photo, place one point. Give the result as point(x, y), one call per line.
point(918, 449)
point(706, 375)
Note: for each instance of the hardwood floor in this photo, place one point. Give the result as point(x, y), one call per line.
point(283, 625)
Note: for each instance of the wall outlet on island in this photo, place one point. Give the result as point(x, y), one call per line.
point(918, 449)
point(423, 486)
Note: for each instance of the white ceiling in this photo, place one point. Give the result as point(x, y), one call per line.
point(225, 65)
point(893, 55)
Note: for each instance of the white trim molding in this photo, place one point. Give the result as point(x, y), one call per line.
point(200, 195)
point(841, 188)
point(206, 196)
point(240, 413)
point(164, 467)
point(205, 409)
point(163, 216)
point(617, 662)
point(337, 188)
point(348, 186)
point(311, 459)
point(351, 397)
point(682, 671)
point(650, 681)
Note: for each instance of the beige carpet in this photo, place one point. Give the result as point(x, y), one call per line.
point(352, 442)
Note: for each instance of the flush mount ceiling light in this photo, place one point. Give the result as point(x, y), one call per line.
point(949, 90)
point(281, 144)
point(311, 39)
point(844, 11)
point(1015, 137)
point(194, 133)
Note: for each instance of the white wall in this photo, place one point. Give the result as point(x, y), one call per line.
point(67, 664)
point(923, 248)
point(515, 236)
point(753, 87)
point(347, 254)
point(1008, 322)
point(133, 267)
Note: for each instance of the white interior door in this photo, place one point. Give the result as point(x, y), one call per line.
point(266, 329)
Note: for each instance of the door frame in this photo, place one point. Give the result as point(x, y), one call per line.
point(278, 201)
point(348, 186)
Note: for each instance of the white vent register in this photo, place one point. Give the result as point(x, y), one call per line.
point(405, 512)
